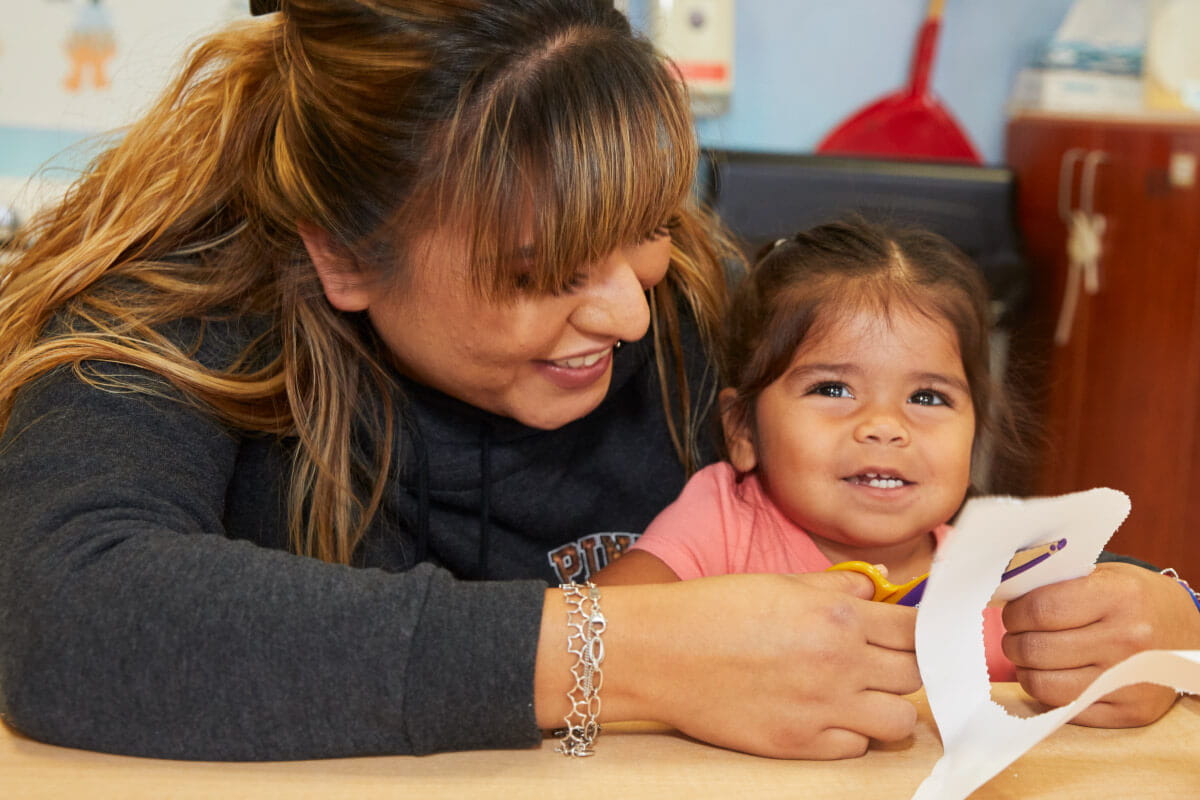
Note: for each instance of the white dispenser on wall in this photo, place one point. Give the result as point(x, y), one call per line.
point(698, 36)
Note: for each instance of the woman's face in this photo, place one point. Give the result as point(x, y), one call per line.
point(541, 359)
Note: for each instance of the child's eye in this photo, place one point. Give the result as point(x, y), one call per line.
point(929, 397)
point(831, 389)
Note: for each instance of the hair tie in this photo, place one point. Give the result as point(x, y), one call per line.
point(260, 7)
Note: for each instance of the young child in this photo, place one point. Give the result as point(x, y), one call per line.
point(858, 386)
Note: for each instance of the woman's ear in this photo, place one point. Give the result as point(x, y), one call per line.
point(344, 283)
point(739, 439)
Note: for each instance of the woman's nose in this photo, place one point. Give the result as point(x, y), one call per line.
point(614, 303)
point(882, 426)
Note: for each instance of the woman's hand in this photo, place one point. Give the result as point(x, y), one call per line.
point(791, 666)
point(1062, 636)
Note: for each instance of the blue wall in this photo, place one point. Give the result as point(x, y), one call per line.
point(801, 66)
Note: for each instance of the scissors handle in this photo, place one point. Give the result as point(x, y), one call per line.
point(885, 590)
point(910, 594)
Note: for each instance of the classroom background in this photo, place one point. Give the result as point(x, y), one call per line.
point(800, 67)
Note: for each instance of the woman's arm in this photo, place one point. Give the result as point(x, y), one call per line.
point(794, 666)
point(130, 623)
point(1062, 636)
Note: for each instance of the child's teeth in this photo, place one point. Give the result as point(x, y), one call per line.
point(875, 481)
point(885, 483)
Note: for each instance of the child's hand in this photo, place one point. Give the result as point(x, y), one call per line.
point(1062, 636)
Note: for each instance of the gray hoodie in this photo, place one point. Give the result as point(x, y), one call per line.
point(148, 605)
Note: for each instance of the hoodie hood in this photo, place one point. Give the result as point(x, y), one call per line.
point(486, 496)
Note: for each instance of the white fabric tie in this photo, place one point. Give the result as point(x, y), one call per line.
point(1084, 248)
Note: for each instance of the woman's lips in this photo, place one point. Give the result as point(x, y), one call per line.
point(577, 372)
point(579, 362)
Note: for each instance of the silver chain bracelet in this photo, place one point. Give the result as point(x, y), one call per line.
point(585, 624)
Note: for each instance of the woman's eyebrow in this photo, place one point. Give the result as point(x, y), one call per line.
point(520, 256)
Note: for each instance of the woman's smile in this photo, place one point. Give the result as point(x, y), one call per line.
point(579, 371)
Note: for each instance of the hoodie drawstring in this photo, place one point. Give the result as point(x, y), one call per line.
point(485, 500)
point(422, 453)
point(422, 533)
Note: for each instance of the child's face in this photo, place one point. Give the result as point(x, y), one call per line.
point(865, 441)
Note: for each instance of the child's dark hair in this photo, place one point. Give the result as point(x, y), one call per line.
point(803, 281)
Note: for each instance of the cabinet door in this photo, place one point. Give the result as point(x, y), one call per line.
point(1046, 156)
point(1122, 396)
point(1137, 412)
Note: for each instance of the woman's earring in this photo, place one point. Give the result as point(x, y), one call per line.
point(617, 346)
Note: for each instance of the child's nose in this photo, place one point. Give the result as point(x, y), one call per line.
point(880, 426)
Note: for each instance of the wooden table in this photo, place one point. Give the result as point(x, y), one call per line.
point(636, 761)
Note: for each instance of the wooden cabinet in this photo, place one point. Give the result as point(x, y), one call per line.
point(1119, 396)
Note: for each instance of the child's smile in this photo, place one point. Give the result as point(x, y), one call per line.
point(878, 480)
point(865, 441)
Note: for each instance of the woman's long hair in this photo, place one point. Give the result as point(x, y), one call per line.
point(365, 119)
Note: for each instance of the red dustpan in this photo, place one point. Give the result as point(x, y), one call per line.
point(908, 124)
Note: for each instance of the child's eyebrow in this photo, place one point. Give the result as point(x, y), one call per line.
point(802, 371)
point(948, 380)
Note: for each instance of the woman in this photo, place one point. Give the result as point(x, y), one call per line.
point(415, 288)
point(380, 298)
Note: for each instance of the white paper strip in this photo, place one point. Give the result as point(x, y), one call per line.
point(979, 737)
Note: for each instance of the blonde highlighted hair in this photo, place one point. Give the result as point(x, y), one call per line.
point(367, 120)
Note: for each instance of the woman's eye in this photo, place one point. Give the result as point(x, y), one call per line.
point(524, 282)
point(928, 397)
point(573, 284)
point(831, 389)
point(661, 232)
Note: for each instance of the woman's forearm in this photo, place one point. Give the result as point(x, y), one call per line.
point(788, 666)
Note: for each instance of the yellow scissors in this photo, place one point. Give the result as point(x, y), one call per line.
point(910, 593)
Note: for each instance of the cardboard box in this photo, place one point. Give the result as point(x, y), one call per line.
point(1076, 90)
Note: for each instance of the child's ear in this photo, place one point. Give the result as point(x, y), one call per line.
point(739, 439)
point(344, 283)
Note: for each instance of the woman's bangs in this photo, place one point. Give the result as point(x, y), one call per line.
point(571, 165)
point(622, 173)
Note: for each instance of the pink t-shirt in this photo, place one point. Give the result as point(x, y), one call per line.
point(719, 526)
